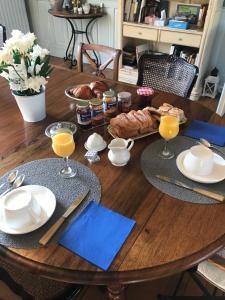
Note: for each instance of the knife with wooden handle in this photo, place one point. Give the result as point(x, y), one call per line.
point(52, 230)
point(215, 196)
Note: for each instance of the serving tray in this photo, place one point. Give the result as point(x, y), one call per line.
point(140, 136)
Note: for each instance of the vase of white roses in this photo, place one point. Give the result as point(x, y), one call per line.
point(26, 67)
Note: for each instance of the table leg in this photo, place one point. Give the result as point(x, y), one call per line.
point(116, 292)
point(69, 56)
point(87, 37)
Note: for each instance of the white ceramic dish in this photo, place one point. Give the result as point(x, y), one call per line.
point(102, 147)
point(46, 200)
point(217, 175)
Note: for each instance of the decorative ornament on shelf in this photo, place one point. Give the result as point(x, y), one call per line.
point(211, 84)
point(26, 67)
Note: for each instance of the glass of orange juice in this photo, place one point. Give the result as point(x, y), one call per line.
point(168, 129)
point(63, 145)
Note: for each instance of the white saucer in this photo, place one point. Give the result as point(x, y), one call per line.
point(102, 147)
point(46, 200)
point(217, 175)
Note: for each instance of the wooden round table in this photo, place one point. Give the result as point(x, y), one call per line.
point(69, 16)
point(170, 235)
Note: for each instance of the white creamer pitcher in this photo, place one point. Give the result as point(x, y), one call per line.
point(119, 153)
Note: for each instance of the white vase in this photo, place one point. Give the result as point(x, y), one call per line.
point(32, 108)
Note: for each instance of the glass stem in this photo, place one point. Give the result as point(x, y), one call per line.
point(165, 150)
point(66, 159)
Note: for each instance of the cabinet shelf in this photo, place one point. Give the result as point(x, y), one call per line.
point(161, 38)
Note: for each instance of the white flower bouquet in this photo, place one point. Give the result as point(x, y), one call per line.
point(24, 64)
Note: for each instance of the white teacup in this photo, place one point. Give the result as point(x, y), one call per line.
point(20, 209)
point(199, 160)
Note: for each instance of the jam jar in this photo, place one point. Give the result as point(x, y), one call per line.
point(83, 115)
point(145, 95)
point(97, 114)
point(110, 104)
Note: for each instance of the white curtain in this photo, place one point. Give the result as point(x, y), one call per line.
point(13, 15)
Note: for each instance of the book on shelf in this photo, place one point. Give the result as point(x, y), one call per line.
point(185, 52)
point(129, 55)
point(127, 9)
point(131, 14)
point(132, 10)
point(142, 4)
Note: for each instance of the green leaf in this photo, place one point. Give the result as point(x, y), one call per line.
point(17, 57)
point(45, 68)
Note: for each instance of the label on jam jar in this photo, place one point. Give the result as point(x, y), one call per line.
point(83, 115)
point(110, 104)
point(97, 116)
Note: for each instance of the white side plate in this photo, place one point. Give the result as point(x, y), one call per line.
point(217, 175)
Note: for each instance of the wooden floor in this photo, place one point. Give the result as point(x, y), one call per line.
point(140, 291)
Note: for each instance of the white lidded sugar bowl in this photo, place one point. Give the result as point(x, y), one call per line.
point(119, 153)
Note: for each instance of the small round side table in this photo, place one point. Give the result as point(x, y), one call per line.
point(71, 16)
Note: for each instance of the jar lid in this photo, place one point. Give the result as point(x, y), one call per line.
point(59, 127)
point(124, 95)
point(145, 91)
point(82, 104)
point(96, 102)
point(109, 93)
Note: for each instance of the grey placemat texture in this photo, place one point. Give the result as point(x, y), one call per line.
point(152, 164)
point(45, 172)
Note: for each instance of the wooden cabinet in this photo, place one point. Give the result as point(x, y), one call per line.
point(191, 39)
point(161, 38)
point(140, 32)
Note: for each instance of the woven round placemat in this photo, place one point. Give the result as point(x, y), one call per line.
point(152, 164)
point(45, 172)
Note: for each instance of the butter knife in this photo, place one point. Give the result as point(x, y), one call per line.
point(52, 230)
point(215, 196)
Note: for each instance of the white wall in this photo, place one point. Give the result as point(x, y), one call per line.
point(218, 50)
point(13, 16)
point(54, 33)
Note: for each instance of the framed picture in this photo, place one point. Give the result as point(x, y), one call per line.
point(190, 11)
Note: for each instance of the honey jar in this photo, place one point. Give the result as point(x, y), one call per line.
point(97, 114)
point(110, 104)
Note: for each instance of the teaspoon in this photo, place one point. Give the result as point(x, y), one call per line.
point(17, 183)
point(208, 145)
point(11, 178)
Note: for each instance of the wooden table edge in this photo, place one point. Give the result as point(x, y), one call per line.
point(105, 278)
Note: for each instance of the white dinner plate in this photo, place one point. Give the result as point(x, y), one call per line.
point(46, 200)
point(102, 147)
point(217, 175)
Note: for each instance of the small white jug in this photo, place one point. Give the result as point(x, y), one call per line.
point(119, 153)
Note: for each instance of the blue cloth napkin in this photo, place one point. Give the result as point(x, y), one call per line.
point(213, 133)
point(97, 234)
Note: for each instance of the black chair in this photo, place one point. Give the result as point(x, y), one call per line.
point(166, 73)
point(2, 35)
